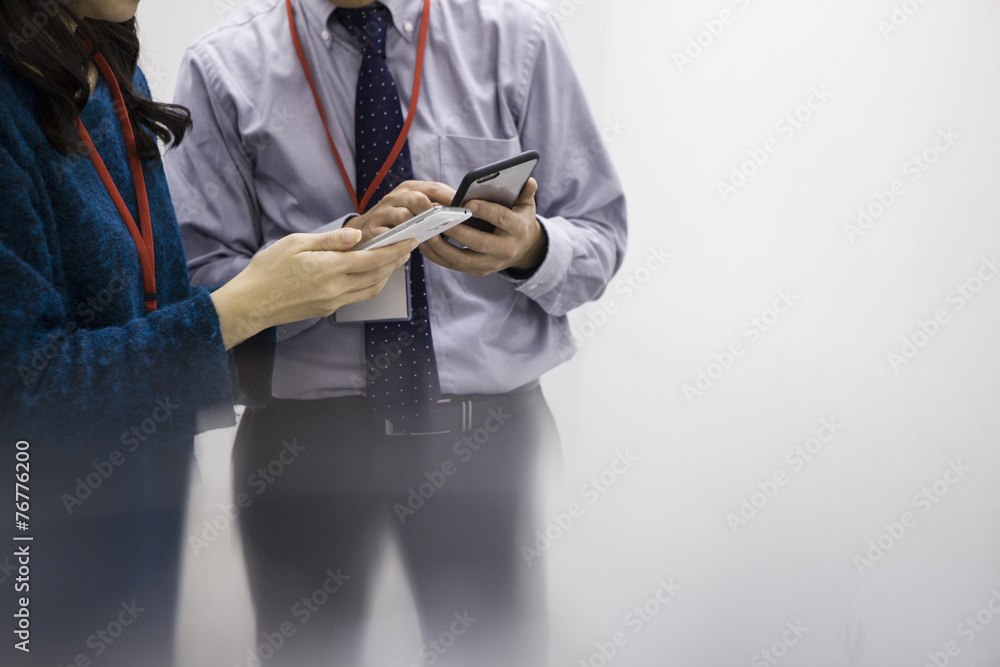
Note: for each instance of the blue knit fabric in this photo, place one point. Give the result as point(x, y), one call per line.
point(81, 364)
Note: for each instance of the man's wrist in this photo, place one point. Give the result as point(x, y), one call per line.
point(533, 258)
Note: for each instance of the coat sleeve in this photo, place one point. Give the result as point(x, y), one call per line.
point(74, 391)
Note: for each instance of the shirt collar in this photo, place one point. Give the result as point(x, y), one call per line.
point(405, 13)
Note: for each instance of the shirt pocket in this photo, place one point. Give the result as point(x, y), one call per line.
point(459, 155)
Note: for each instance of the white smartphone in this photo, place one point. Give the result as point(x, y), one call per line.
point(427, 225)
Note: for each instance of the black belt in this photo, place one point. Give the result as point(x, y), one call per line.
point(467, 412)
point(455, 413)
point(446, 416)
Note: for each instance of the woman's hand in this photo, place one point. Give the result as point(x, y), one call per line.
point(303, 276)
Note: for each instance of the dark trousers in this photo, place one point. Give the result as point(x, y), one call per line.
point(101, 575)
point(319, 481)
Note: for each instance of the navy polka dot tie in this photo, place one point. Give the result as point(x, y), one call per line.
point(402, 370)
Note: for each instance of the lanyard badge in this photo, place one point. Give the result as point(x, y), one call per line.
point(143, 238)
point(360, 206)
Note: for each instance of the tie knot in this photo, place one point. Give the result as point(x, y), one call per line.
point(367, 26)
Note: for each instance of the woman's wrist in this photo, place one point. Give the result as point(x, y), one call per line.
point(232, 303)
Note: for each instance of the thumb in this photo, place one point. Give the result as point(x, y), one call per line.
point(336, 240)
point(527, 193)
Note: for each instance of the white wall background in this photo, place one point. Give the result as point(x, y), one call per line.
point(855, 297)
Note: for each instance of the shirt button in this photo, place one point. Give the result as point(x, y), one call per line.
point(408, 26)
point(325, 35)
point(532, 286)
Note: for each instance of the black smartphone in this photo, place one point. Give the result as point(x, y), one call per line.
point(499, 183)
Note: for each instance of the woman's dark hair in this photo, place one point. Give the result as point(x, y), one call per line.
point(37, 38)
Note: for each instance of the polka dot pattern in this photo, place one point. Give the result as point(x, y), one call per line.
point(402, 352)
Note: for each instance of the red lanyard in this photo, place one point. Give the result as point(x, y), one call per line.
point(411, 114)
point(143, 241)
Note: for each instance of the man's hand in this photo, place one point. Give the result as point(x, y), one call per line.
point(519, 241)
point(405, 201)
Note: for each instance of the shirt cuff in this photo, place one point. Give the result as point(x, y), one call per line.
point(285, 331)
point(553, 268)
point(251, 365)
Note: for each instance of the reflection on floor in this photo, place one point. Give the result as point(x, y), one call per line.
point(216, 622)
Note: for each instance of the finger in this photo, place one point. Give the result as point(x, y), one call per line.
point(364, 293)
point(337, 240)
point(439, 193)
point(413, 201)
point(445, 254)
point(528, 193)
point(476, 240)
point(369, 260)
point(355, 281)
point(339, 266)
point(384, 217)
point(361, 280)
point(510, 220)
point(501, 217)
point(429, 249)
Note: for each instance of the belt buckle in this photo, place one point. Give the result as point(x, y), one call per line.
point(466, 421)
